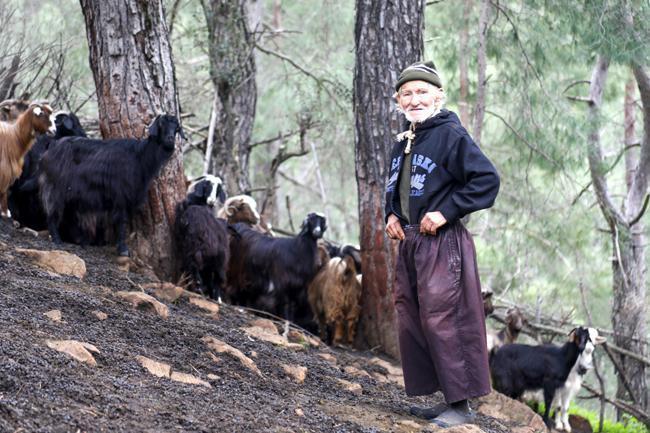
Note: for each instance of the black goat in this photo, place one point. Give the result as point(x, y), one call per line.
point(517, 368)
point(24, 200)
point(203, 239)
point(104, 177)
point(275, 271)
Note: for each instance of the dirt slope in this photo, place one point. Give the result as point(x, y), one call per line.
point(44, 390)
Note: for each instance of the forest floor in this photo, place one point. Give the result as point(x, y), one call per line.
point(201, 384)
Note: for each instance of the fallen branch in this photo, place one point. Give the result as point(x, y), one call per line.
point(635, 411)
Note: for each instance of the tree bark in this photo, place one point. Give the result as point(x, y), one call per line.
point(388, 37)
point(629, 317)
point(132, 65)
point(631, 154)
point(232, 70)
point(628, 263)
point(463, 68)
point(479, 108)
point(277, 15)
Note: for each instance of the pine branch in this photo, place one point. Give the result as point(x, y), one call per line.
point(319, 81)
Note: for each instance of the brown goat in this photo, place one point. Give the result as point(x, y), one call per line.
point(488, 306)
point(334, 296)
point(240, 209)
point(515, 322)
point(15, 141)
point(243, 209)
point(10, 109)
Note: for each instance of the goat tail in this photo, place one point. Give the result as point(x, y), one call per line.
point(491, 354)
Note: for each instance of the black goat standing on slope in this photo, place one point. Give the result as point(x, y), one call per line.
point(280, 268)
point(24, 199)
point(203, 239)
point(104, 176)
point(517, 368)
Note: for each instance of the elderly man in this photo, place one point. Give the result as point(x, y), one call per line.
point(437, 175)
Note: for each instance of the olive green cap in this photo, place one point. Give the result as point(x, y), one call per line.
point(425, 71)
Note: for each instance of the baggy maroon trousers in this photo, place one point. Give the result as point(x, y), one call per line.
point(441, 324)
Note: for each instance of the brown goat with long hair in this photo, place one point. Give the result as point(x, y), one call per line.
point(10, 109)
point(334, 296)
point(15, 141)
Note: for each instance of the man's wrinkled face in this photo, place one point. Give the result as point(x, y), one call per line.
point(417, 100)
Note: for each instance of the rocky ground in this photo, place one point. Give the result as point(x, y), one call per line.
point(78, 355)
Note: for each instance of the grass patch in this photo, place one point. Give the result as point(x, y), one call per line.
point(628, 425)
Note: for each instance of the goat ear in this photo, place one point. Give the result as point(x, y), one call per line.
point(572, 335)
point(199, 189)
point(600, 340)
point(350, 268)
point(68, 123)
point(181, 132)
point(154, 129)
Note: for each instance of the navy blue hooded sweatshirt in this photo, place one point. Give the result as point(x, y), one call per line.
point(449, 173)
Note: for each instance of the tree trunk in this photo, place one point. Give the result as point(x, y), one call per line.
point(131, 60)
point(463, 68)
point(232, 70)
point(479, 109)
point(388, 37)
point(630, 319)
point(628, 263)
point(629, 315)
point(277, 15)
point(630, 151)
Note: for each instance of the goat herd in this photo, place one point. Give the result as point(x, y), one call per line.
point(85, 191)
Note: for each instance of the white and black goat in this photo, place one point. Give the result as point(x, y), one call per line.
point(203, 240)
point(516, 368)
point(217, 192)
point(278, 269)
point(572, 385)
point(106, 177)
point(24, 198)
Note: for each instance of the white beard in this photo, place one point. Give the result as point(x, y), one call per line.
point(421, 116)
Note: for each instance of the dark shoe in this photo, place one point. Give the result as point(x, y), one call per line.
point(428, 412)
point(453, 417)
